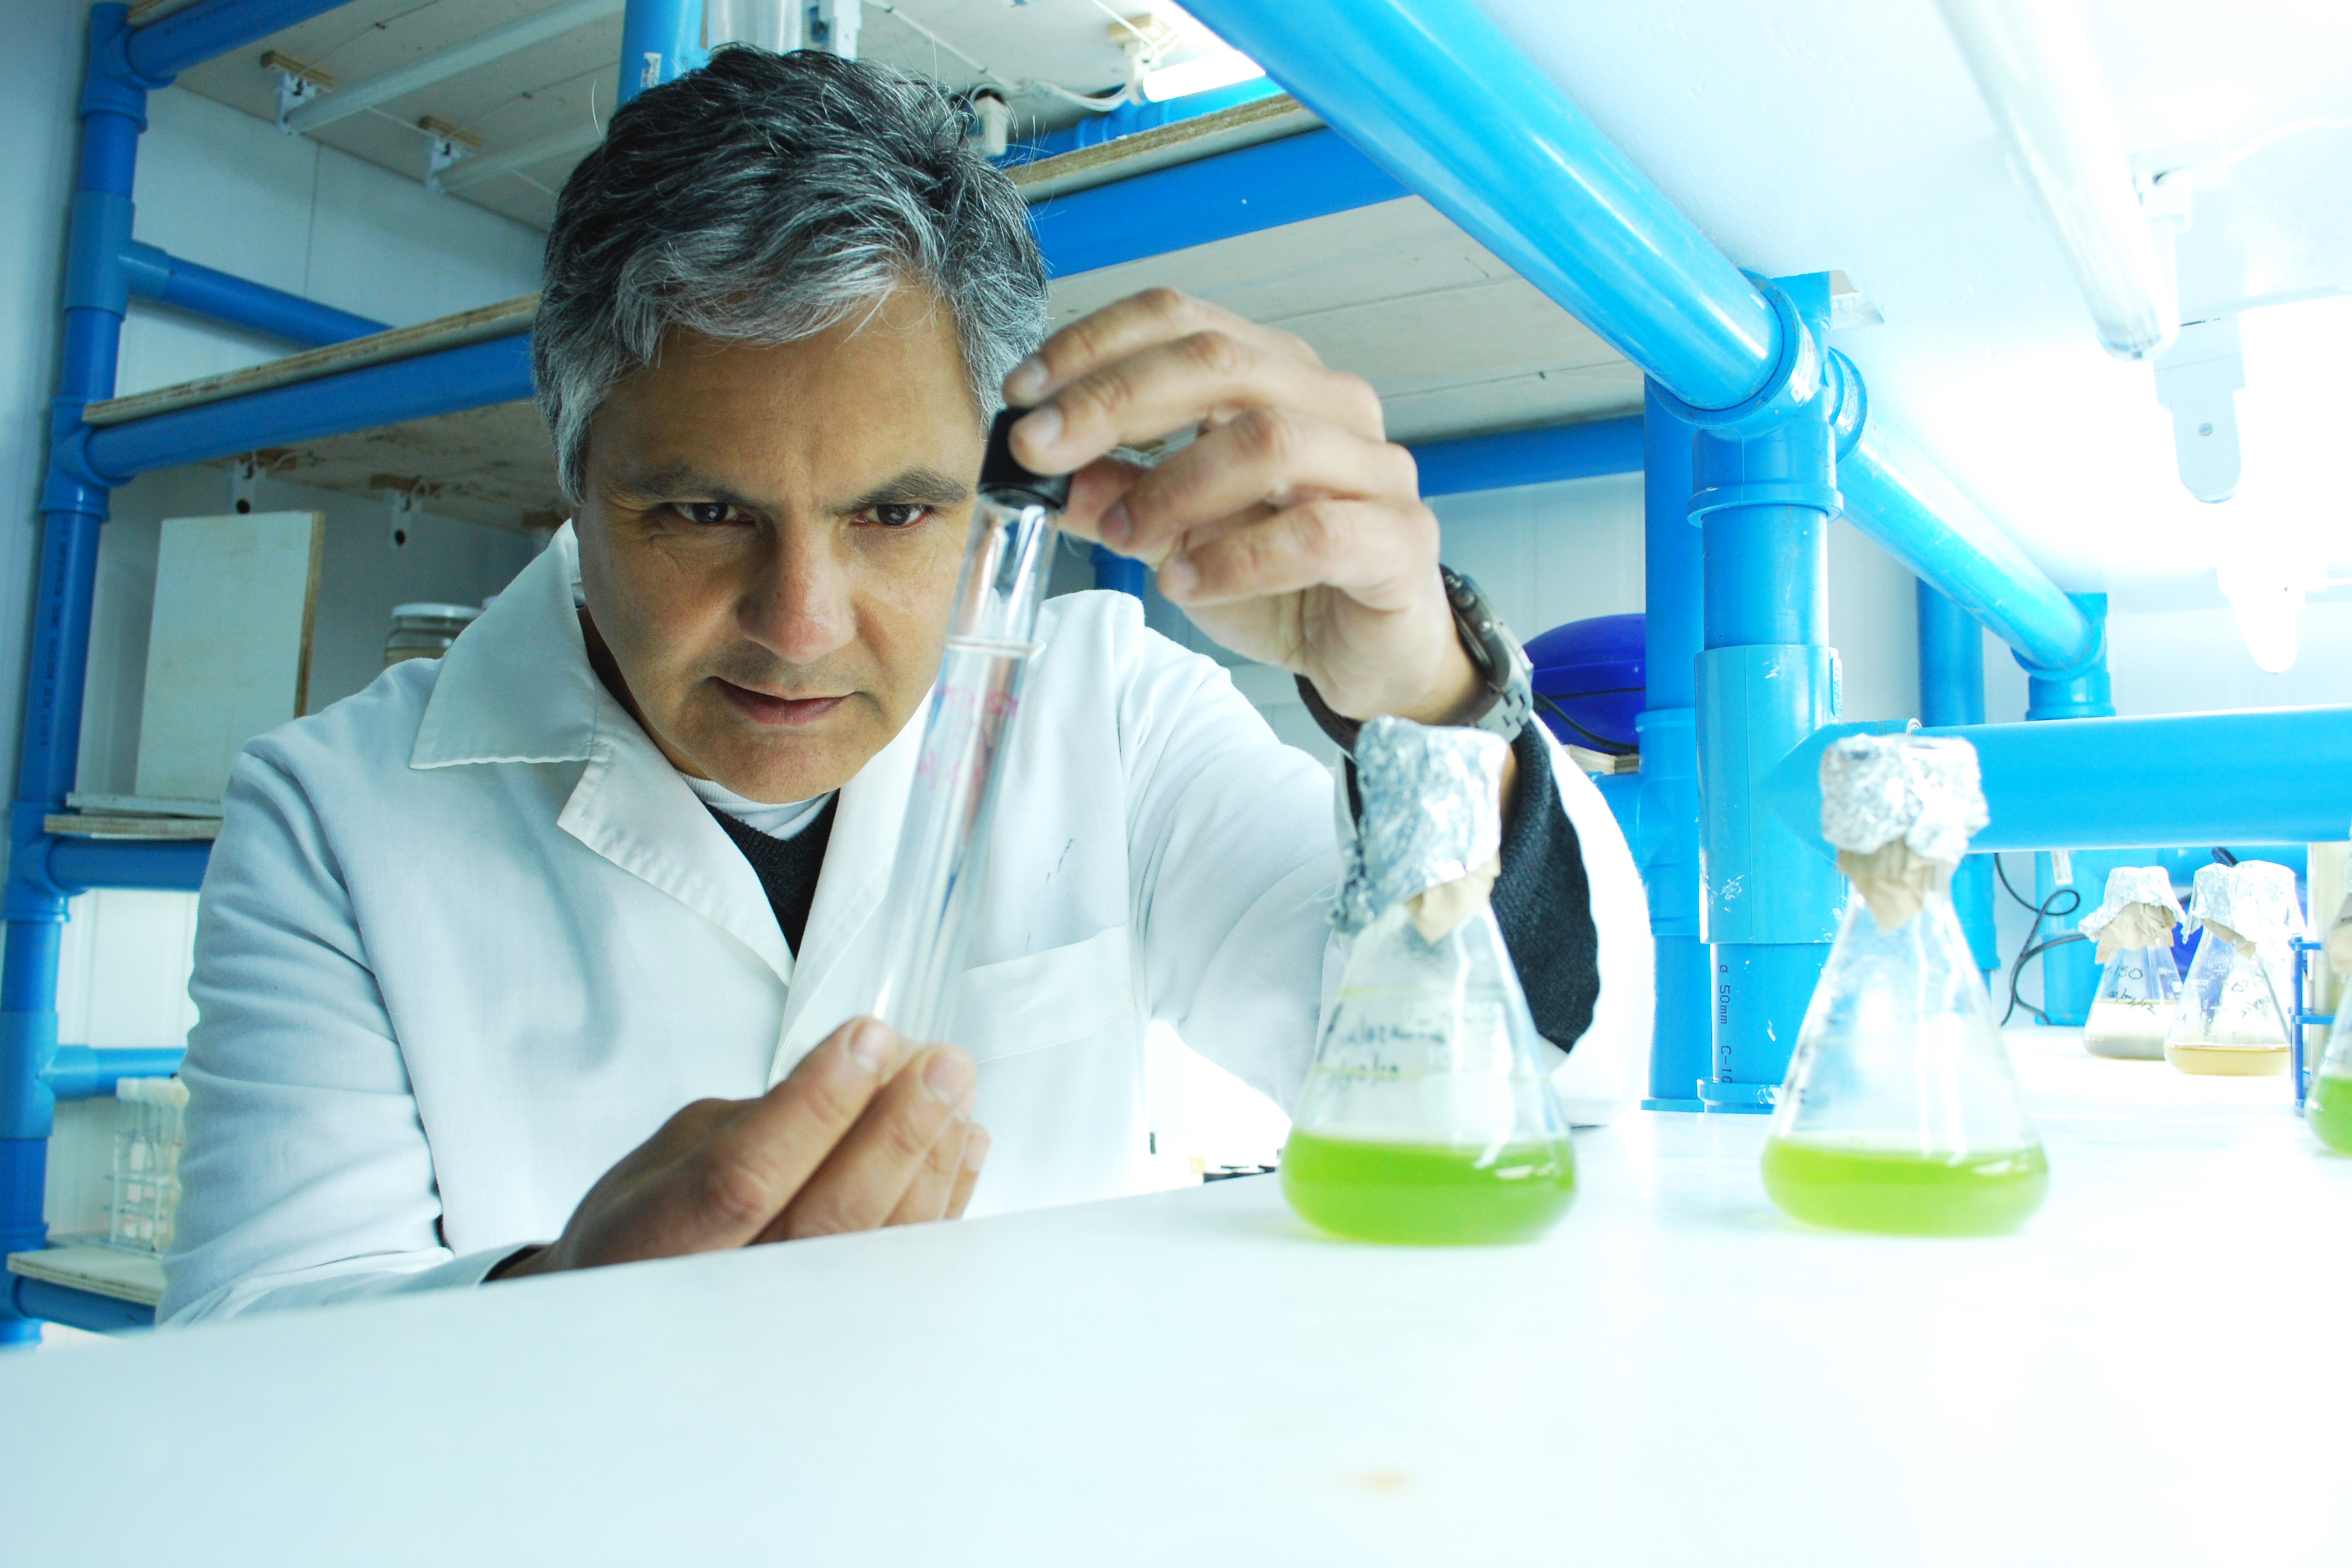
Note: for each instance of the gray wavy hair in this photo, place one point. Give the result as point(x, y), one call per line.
point(763, 199)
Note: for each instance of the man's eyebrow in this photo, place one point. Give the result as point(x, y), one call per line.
point(915, 486)
point(681, 479)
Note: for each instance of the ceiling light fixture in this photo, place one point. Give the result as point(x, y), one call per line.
point(2033, 66)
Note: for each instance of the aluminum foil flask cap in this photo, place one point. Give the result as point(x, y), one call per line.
point(1899, 809)
point(2250, 905)
point(1005, 476)
point(1433, 818)
point(2139, 910)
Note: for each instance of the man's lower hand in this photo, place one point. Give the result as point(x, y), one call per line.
point(868, 1130)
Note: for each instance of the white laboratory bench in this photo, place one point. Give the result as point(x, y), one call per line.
point(2154, 1372)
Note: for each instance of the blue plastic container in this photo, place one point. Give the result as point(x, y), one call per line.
point(1588, 682)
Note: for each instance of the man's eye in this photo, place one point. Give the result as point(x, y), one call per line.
point(707, 513)
point(899, 513)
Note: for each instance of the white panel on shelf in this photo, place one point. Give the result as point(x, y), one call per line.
point(228, 650)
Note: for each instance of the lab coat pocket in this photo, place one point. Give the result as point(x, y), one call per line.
point(1044, 999)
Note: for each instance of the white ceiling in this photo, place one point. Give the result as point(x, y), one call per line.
point(1806, 134)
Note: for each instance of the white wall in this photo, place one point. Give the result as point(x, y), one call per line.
point(225, 189)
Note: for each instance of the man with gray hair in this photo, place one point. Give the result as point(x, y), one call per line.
point(550, 953)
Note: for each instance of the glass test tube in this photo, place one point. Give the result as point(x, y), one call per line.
point(943, 845)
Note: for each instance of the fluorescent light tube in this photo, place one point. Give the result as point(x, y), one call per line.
point(2032, 63)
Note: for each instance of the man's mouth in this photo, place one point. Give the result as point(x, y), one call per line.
point(781, 713)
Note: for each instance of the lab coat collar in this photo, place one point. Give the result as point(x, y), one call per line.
point(518, 688)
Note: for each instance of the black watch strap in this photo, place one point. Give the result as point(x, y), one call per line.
point(1494, 653)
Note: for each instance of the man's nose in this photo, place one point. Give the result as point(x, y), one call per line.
point(802, 610)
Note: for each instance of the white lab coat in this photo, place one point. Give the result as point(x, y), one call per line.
point(467, 938)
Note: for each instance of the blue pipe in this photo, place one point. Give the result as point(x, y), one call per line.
point(1435, 93)
point(2081, 690)
point(1310, 175)
point(661, 40)
point(1951, 662)
point(114, 112)
point(1902, 500)
point(167, 279)
point(176, 865)
point(1764, 488)
point(1584, 450)
point(1666, 842)
point(2276, 776)
point(472, 377)
point(36, 1302)
point(210, 30)
point(1952, 691)
point(90, 1072)
point(1118, 573)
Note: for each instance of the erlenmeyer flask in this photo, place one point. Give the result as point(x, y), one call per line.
point(2328, 1107)
point(2231, 1018)
point(1428, 1115)
point(1900, 1112)
point(2133, 1009)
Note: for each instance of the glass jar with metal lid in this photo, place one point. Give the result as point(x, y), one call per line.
point(424, 631)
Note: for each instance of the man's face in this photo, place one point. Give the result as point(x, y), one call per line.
point(770, 540)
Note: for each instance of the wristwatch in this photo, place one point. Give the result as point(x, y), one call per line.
point(1502, 664)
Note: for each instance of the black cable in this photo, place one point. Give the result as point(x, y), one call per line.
point(1606, 748)
point(2016, 1002)
point(2029, 950)
point(2223, 857)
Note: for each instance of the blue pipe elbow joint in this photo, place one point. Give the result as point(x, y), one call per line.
point(2082, 689)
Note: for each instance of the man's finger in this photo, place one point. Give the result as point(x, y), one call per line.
point(1129, 326)
point(975, 1155)
point(1269, 455)
point(861, 1182)
point(745, 1175)
point(1200, 378)
point(926, 1198)
point(1360, 547)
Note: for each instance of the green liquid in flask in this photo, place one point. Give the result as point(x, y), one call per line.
point(1826, 1180)
point(1428, 1194)
point(2329, 1110)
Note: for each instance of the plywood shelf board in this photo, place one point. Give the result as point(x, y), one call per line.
point(503, 320)
point(93, 1266)
point(1164, 147)
point(494, 465)
point(74, 825)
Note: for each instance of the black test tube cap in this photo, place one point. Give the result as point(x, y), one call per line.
point(1003, 476)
